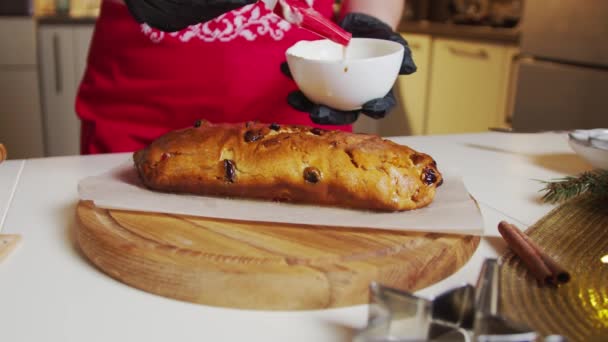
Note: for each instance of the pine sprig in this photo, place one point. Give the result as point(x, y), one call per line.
point(594, 183)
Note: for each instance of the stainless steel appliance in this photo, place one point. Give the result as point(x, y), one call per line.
point(562, 78)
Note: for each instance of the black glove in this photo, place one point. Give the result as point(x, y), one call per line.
point(365, 26)
point(362, 26)
point(174, 15)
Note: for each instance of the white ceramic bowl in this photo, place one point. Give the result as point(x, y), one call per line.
point(592, 145)
point(368, 72)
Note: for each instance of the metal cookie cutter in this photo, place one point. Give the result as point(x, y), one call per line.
point(465, 313)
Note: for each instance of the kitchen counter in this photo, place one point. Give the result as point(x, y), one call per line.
point(50, 292)
point(467, 32)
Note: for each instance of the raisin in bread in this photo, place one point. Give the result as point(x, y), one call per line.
point(289, 163)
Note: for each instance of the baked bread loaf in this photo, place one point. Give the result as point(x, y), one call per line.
point(289, 163)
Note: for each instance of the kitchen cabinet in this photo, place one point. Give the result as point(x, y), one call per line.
point(20, 112)
point(408, 116)
point(460, 86)
point(469, 86)
point(63, 54)
point(413, 89)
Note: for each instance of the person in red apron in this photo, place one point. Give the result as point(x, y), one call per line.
point(156, 66)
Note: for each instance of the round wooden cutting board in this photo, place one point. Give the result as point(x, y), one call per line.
point(265, 266)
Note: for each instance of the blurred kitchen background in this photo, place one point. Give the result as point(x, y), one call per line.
point(520, 65)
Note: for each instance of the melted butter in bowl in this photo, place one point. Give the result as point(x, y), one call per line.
point(341, 78)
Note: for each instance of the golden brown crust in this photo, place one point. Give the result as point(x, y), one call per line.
point(290, 163)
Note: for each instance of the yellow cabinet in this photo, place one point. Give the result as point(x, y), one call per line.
point(469, 86)
point(408, 117)
point(412, 89)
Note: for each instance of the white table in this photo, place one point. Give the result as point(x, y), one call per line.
point(50, 292)
point(10, 172)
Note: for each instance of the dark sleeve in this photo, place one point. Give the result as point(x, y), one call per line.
point(174, 15)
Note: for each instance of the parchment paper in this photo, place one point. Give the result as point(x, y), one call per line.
point(453, 210)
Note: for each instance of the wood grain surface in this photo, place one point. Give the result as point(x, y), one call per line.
point(7, 244)
point(3, 153)
point(265, 266)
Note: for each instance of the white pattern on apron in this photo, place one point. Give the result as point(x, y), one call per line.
point(247, 22)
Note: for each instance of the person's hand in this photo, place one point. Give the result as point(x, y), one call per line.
point(362, 26)
point(172, 15)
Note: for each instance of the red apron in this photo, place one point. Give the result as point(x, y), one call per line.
point(141, 83)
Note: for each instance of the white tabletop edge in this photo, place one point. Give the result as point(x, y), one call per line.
point(11, 195)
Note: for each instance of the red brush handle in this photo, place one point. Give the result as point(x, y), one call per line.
point(317, 23)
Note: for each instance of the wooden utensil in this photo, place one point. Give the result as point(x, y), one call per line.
point(257, 265)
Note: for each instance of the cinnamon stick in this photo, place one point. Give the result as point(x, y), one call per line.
point(560, 275)
point(528, 254)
